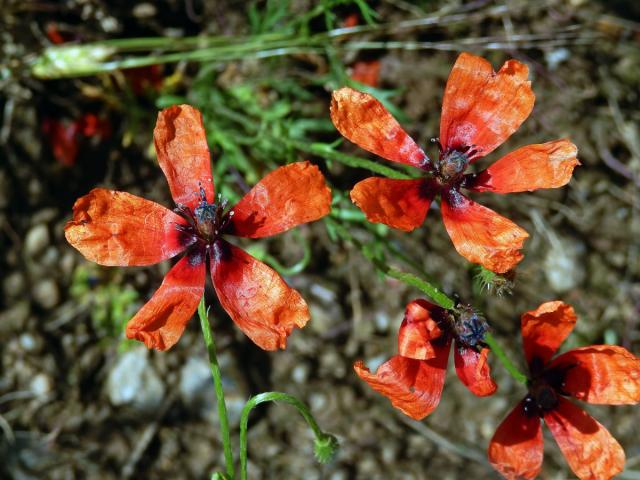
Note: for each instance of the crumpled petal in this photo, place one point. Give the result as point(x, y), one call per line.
point(546, 165)
point(363, 120)
point(161, 321)
point(419, 327)
point(545, 328)
point(473, 370)
point(602, 374)
point(401, 204)
point(288, 196)
point(256, 298)
point(119, 229)
point(516, 449)
point(481, 235)
point(183, 154)
point(413, 386)
point(590, 450)
point(481, 108)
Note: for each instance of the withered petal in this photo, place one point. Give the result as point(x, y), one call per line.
point(602, 374)
point(413, 386)
point(183, 154)
point(589, 448)
point(473, 370)
point(162, 320)
point(119, 229)
point(401, 204)
point(288, 196)
point(516, 449)
point(545, 328)
point(363, 120)
point(481, 235)
point(546, 165)
point(256, 298)
point(482, 108)
point(418, 329)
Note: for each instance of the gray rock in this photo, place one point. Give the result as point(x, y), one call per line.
point(36, 240)
point(13, 285)
point(133, 382)
point(196, 385)
point(46, 293)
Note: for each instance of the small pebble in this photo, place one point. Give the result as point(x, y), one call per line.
point(36, 240)
point(46, 293)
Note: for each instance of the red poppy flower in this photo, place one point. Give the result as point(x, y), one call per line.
point(119, 229)
point(65, 136)
point(413, 379)
point(480, 110)
point(366, 72)
point(600, 374)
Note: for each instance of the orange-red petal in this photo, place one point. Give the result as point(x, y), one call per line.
point(413, 386)
point(119, 229)
point(604, 374)
point(545, 328)
point(516, 449)
point(256, 298)
point(286, 197)
point(546, 165)
point(419, 327)
point(482, 108)
point(161, 321)
point(481, 235)
point(363, 120)
point(473, 370)
point(589, 448)
point(401, 204)
point(183, 154)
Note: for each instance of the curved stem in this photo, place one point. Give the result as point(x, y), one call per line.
point(506, 363)
point(323, 441)
point(217, 382)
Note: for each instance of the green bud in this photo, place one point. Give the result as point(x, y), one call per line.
point(325, 448)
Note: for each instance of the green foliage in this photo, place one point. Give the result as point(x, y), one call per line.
point(110, 304)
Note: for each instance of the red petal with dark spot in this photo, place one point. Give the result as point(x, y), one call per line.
point(256, 298)
point(516, 449)
point(161, 321)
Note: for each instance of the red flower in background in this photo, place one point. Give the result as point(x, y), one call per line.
point(413, 380)
point(366, 72)
point(145, 79)
point(119, 229)
point(480, 110)
point(600, 374)
point(65, 136)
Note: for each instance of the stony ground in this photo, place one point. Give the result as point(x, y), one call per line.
point(77, 402)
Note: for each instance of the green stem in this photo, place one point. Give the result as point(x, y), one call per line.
point(506, 363)
point(325, 444)
point(217, 382)
point(326, 151)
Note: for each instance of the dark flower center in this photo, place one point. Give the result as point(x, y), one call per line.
point(449, 168)
point(545, 387)
point(469, 327)
point(206, 222)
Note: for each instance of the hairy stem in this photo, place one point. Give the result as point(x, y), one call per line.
point(325, 444)
point(506, 363)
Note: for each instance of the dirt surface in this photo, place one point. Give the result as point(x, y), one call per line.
point(77, 401)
